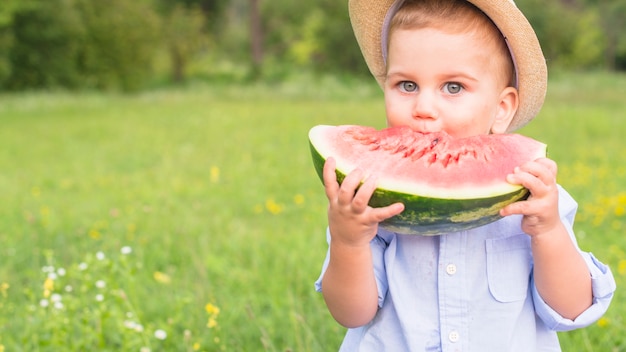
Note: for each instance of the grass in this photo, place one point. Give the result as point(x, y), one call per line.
point(191, 219)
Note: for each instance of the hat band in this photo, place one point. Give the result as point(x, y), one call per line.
point(396, 6)
point(385, 30)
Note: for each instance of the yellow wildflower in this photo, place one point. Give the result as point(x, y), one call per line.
point(95, 234)
point(621, 268)
point(214, 174)
point(162, 277)
point(213, 312)
point(212, 309)
point(603, 322)
point(196, 346)
point(48, 286)
point(4, 288)
point(273, 207)
point(298, 199)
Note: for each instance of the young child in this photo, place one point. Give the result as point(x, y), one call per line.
point(468, 68)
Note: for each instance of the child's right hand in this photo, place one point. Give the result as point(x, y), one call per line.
point(351, 220)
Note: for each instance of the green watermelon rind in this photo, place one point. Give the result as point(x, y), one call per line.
point(433, 216)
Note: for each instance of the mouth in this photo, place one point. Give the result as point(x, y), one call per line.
point(424, 127)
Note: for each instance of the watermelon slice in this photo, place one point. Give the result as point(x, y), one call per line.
point(446, 184)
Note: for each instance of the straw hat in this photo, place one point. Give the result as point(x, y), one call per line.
point(370, 19)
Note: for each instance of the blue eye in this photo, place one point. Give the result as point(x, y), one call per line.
point(408, 86)
point(453, 88)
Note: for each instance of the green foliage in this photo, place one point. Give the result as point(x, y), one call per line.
point(131, 45)
point(122, 37)
point(316, 35)
point(588, 47)
point(218, 201)
point(47, 36)
point(7, 10)
point(80, 44)
point(184, 36)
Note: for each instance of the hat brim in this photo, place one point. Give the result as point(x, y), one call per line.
point(368, 17)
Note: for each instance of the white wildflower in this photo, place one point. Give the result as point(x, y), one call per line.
point(126, 250)
point(160, 334)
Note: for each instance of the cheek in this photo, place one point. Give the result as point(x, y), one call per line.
point(394, 118)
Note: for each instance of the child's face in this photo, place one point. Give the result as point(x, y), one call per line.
point(452, 82)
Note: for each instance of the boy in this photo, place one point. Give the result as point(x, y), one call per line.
point(468, 68)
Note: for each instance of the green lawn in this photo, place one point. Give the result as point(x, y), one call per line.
point(191, 219)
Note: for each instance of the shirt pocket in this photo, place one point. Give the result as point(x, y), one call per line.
point(509, 265)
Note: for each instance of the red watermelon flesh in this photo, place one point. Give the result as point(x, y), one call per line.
point(429, 164)
point(445, 184)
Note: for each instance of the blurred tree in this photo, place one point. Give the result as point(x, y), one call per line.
point(121, 40)
point(47, 35)
point(7, 10)
point(314, 34)
point(212, 9)
point(184, 34)
point(613, 22)
point(552, 22)
point(256, 39)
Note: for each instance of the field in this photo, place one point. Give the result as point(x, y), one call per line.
point(191, 219)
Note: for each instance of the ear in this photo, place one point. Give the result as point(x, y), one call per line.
point(507, 107)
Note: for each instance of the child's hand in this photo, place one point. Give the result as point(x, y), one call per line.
point(350, 219)
point(540, 210)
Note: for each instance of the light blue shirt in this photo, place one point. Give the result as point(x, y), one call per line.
point(469, 291)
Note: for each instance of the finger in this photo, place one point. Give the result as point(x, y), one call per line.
point(549, 164)
point(349, 186)
point(533, 175)
point(527, 180)
point(364, 193)
point(330, 179)
point(384, 213)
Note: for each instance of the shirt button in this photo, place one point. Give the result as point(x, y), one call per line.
point(451, 269)
point(454, 336)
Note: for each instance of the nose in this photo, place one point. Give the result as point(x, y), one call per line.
point(424, 107)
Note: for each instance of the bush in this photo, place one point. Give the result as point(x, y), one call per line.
point(47, 38)
point(122, 37)
point(83, 44)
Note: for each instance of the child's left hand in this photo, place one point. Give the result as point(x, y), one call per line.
point(540, 210)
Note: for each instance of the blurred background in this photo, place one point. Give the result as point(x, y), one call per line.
point(156, 185)
point(135, 45)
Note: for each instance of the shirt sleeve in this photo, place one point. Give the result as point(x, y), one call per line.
point(378, 246)
point(602, 281)
point(602, 285)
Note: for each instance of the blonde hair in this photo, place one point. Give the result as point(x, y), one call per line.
point(454, 16)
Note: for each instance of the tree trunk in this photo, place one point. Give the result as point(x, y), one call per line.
point(256, 39)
